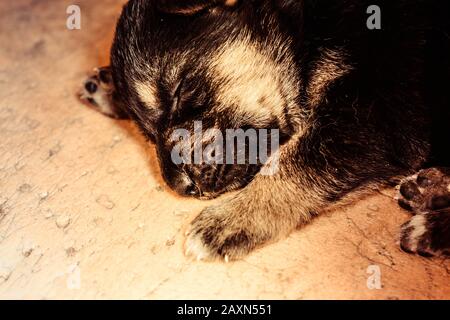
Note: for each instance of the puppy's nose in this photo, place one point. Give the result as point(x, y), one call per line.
point(186, 187)
point(191, 190)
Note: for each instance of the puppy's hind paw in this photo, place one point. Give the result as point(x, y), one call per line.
point(429, 190)
point(427, 195)
point(99, 93)
point(427, 234)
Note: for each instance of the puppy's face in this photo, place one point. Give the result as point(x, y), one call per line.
point(188, 72)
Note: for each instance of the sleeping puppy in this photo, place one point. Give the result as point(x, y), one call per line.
point(353, 106)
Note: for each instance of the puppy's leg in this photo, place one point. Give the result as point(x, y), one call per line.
point(269, 208)
point(427, 196)
point(98, 92)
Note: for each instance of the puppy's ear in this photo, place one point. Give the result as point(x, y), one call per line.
point(188, 7)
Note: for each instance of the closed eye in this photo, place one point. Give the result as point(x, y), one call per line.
point(176, 99)
point(185, 104)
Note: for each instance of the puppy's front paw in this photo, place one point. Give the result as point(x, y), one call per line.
point(98, 92)
point(219, 234)
point(427, 234)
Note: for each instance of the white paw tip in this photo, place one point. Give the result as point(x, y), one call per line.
point(418, 225)
point(196, 248)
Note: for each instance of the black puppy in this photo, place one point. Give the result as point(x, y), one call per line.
point(354, 106)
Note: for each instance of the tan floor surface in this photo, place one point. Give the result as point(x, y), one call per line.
point(85, 214)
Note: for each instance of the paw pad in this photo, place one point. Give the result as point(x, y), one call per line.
point(91, 87)
point(428, 196)
point(97, 92)
point(428, 190)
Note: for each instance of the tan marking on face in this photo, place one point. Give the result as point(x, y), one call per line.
point(230, 3)
point(249, 80)
point(147, 94)
point(330, 67)
point(194, 9)
point(190, 10)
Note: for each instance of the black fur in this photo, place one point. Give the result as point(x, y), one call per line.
point(388, 116)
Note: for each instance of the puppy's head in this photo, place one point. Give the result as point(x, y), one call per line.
point(190, 70)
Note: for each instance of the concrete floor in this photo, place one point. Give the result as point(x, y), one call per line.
point(85, 214)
